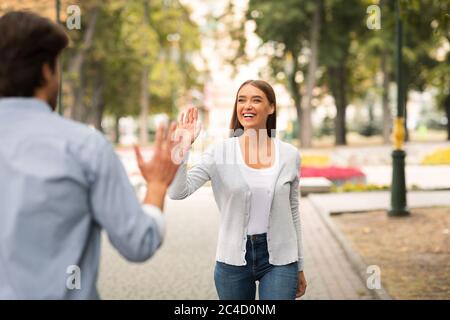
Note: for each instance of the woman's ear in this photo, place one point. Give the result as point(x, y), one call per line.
point(272, 108)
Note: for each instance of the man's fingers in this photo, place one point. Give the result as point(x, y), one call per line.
point(159, 136)
point(139, 158)
point(172, 128)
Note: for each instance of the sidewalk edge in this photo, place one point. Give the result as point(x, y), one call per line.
point(355, 259)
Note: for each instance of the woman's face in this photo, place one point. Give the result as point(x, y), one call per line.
point(253, 107)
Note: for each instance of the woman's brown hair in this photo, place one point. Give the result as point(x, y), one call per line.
point(237, 128)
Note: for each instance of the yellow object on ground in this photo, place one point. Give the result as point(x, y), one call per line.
point(440, 156)
point(315, 160)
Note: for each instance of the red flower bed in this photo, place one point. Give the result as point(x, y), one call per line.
point(332, 172)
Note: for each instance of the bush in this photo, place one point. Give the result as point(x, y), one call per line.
point(369, 129)
point(358, 187)
point(326, 128)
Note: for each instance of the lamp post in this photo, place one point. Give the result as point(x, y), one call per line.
point(59, 99)
point(398, 186)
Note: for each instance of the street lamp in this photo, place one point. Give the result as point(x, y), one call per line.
point(398, 186)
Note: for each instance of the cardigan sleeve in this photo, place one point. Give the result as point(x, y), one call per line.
point(294, 195)
point(186, 182)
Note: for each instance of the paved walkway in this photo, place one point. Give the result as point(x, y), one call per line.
point(183, 268)
point(375, 200)
point(329, 273)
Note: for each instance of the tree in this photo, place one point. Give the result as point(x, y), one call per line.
point(306, 127)
point(75, 78)
point(426, 28)
point(322, 31)
point(284, 27)
point(434, 63)
point(121, 60)
point(342, 21)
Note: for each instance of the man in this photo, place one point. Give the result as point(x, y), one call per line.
point(60, 181)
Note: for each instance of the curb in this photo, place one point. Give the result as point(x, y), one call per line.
point(355, 259)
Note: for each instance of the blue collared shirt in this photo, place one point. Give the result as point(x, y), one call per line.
point(61, 183)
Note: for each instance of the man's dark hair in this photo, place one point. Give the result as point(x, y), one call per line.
point(27, 42)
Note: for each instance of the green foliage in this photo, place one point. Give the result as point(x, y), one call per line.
point(326, 128)
point(345, 38)
point(358, 187)
point(283, 22)
point(127, 37)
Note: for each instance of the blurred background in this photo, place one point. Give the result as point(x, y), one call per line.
point(134, 62)
point(332, 63)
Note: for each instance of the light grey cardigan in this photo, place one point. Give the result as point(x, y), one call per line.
point(232, 194)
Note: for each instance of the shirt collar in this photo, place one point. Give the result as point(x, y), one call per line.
point(28, 103)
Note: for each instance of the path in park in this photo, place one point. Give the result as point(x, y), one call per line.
point(183, 268)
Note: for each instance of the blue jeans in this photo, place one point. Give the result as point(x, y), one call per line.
point(239, 282)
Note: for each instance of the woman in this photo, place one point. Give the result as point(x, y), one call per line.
point(254, 178)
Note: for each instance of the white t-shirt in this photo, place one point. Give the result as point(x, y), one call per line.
point(261, 183)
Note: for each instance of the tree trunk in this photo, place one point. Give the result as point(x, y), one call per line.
point(143, 116)
point(447, 113)
point(144, 101)
point(306, 128)
point(405, 103)
point(338, 89)
point(294, 89)
point(387, 114)
point(306, 133)
point(77, 109)
point(371, 118)
point(117, 129)
point(98, 103)
point(74, 80)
